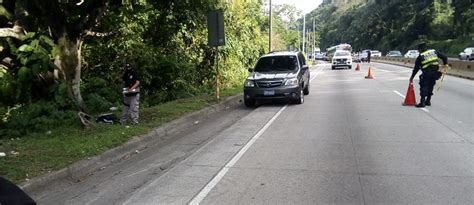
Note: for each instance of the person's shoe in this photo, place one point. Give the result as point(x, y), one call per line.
point(420, 105)
point(428, 101)
point(422, 102)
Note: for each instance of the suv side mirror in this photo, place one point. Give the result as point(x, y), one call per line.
point(305, 67)
point(250, 69)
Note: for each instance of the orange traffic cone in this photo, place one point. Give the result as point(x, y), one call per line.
point(410, 99)
point(357, 67)
point(369, 76)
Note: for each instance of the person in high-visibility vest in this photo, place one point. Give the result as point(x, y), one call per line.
point(428, 62)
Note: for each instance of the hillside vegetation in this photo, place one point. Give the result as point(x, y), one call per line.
point(397, 24)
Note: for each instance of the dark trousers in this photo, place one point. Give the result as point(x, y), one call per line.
point(427, 81)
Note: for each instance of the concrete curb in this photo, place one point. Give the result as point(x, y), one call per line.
point(84, 168)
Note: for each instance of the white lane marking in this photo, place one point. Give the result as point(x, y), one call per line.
point(204, 192)
point(387, 71)
point(207, 189)
point(401, 95)
point(316, 74)
point(393, 71)
point(398, 93)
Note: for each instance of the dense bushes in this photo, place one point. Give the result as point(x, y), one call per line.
point(167, 47)
point(38, 117)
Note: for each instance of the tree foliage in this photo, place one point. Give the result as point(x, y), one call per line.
point(60, 52)
point(394, 24)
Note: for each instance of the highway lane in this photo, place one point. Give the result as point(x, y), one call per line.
point(452, 102)
point(351, 142)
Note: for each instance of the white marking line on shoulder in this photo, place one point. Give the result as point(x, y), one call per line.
point(204, 192)
point(207, 189)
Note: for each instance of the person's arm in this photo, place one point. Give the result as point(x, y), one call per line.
point(137, 83)
point(442, 57)
point(416, 68)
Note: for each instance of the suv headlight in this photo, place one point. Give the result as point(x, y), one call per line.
point(292, 81)
point(249, 84)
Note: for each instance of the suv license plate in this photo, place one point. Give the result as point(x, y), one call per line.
point(268, 92)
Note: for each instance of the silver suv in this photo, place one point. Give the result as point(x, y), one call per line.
point(277, 75)
point(467, 54)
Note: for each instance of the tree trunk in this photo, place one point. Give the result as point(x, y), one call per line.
point(70, 65)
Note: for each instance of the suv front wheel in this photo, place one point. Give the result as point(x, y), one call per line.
point(306, 90)
point(249, 102)
point(300, 100)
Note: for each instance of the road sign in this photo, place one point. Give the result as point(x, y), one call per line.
point(215, 27)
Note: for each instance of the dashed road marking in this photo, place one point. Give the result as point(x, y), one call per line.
point(403, 96)
point(316, 74)
point(398, 93)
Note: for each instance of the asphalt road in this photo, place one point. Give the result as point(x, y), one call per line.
point(351, 142)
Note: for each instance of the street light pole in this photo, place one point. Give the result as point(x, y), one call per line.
point(270, 33)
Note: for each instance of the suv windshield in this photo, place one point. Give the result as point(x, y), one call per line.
point(276, 63)
point(342, 53)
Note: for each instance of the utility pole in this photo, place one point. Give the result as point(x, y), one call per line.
point(270, 33)
point(314, 41)
point(304, 30)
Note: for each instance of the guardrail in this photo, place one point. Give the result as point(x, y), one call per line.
point(463, 69)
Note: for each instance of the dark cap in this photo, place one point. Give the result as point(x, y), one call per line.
point(422, 46)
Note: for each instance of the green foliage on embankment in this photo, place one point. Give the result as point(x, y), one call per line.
point(397, 25)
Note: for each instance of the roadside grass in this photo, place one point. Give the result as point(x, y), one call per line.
point(39, 154)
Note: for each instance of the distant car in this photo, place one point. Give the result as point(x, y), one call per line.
point(394, 54)
point(319, 56)
point(355, 57)
point(325, 56)
point(412, 54)
point(363, 56)
point(375, 53)
point(467, 54)
point(342, 59)
point(277, 75)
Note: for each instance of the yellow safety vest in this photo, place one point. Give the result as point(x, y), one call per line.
point(429, 57)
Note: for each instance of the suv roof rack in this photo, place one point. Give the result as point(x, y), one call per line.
point(277, 51)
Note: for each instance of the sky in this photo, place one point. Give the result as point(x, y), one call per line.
point(304, 5)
